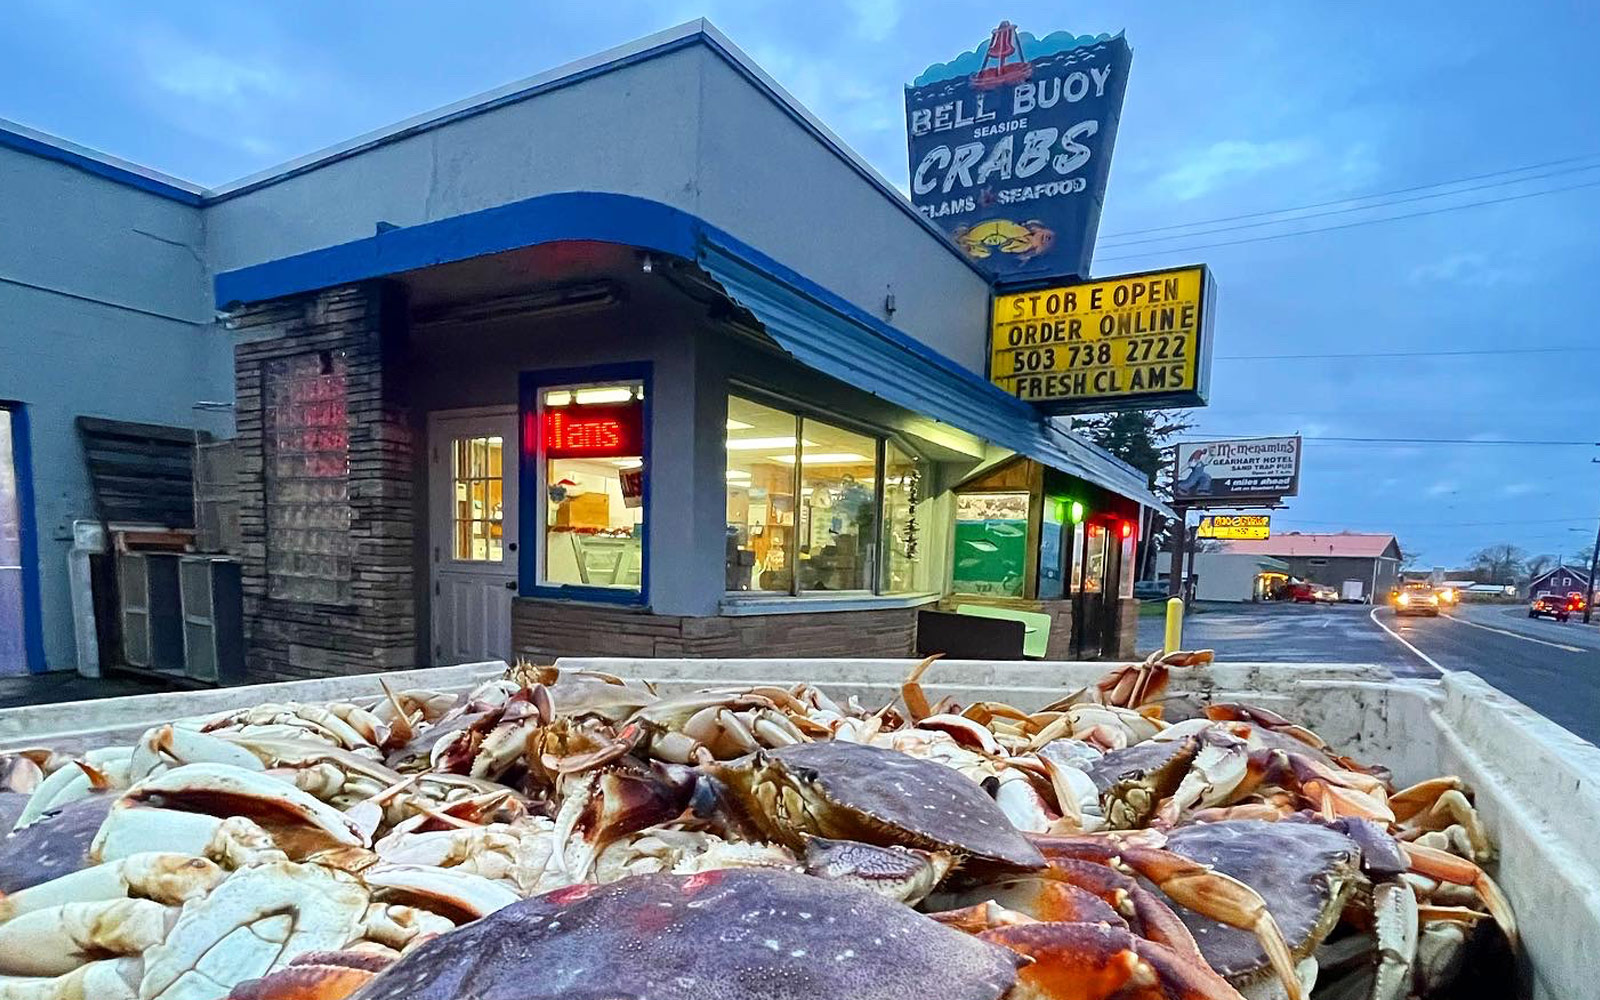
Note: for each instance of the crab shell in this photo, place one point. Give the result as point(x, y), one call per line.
point(718, 935)
point(853, 791)
point(54, 845)
point(1304, 871)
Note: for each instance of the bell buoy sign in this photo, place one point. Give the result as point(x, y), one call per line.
point(1010, 145)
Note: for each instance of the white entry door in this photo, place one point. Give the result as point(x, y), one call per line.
point(472, 504)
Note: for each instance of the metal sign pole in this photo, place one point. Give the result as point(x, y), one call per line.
point(1180, 541)
point(1594, 563)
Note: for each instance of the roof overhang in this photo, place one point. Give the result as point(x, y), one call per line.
point(817, 327)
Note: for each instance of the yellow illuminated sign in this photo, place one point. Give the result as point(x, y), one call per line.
point(1138, 340)
point(1236, 527)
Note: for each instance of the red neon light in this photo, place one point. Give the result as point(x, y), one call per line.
point(587, 435)
point(1127, 529)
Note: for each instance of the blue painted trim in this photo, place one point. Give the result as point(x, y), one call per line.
point(530, 506)
point(581, 215)
point(28, 532)
point(47, 151)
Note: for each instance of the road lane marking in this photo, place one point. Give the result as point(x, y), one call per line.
point(1518, 635)
point(1430, 661)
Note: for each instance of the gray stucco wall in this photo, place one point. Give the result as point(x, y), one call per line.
point(632, 131)
point(684, 129)
point(104, 311)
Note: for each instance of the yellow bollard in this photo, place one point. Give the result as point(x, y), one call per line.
point(1174, 639)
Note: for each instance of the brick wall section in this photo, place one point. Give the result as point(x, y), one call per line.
point(377, 630)
point(542, 630)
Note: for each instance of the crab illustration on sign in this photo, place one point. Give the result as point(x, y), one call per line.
point(1025, 239)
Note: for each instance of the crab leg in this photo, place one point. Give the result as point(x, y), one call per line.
point(1447, 867)
point(110, 979)
point(1198, 887)
point(55, 940)
point(1091, 962)
point(165, 878)
point(1394, 907)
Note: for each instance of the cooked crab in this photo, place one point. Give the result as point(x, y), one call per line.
point(850, 791)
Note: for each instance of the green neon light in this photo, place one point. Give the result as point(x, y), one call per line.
point(1077, 512)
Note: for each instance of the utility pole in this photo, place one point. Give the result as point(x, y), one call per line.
point(1594, 563)
point(1180, 542)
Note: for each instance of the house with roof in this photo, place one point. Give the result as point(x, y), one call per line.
point(1559, 581)
point(1362, 567)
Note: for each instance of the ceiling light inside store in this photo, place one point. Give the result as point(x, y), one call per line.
point(759, 444)
point(823, 458)
point(738, 425)
point(619, 394)
point(627, 463)
point(738, 474)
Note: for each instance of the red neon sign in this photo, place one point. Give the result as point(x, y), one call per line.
point(594, 431)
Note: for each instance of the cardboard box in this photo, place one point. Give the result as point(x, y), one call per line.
point(586, 510)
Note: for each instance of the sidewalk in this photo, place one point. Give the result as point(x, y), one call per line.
point(66, 685)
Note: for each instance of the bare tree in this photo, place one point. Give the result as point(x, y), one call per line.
point(1500, 562)
point(1538, 564)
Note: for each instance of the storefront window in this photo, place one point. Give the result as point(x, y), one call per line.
point(905, 491)
point(991, 544)
point(592, 440)
point(1094, 558)
point(761, 497)
point(1052, 524)
point(478, 509)
point(838, 508)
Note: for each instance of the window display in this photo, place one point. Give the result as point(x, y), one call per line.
point(815, 508)
point(838, 508)
point(905, 494)
point(761, 493)
point(991, 545)
point(592, 440)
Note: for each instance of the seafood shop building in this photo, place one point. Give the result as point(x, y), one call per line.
point(636, 358)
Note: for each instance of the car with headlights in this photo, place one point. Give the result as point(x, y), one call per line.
point(1554, 606)
point(1417, 599)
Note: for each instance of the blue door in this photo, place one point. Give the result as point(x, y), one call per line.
point(13, 648)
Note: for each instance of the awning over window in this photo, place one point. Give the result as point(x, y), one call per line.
point(831, 335)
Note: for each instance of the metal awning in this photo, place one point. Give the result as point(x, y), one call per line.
point(826, 333)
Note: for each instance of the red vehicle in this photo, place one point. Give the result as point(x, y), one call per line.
point(1555, 606)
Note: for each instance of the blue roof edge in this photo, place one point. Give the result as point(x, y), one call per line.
point(49, 147)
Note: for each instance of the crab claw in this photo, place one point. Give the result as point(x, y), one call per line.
point(1094, 962)
point(300, 823)
point(459, 896)
point(166, 878)
point(316, 975)
point(1447, 867)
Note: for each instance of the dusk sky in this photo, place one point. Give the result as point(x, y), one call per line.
point(1233, 109)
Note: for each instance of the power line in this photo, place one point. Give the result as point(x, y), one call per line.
point(1358, 208)
point(1472, 352)
point(1447, 524)
point(1361, 197)
point(1353, 225)
point(1444, 441)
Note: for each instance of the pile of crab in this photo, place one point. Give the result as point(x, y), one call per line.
point(573, 834)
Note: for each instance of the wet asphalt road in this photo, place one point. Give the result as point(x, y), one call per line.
point(1553, 668)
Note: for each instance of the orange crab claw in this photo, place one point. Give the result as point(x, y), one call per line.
point(911, 692)
point(1094, 962)
point(1446, 867)
point(1198, 887)
point(316, 975)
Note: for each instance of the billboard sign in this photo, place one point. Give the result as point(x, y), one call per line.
point(1233, 473)
point(1135, 341)
point(1236, 527)
point(1010, 145)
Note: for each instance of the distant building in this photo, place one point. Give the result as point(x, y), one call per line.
point(1560, 581)
point(1237, 576)
point(1357, 565)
